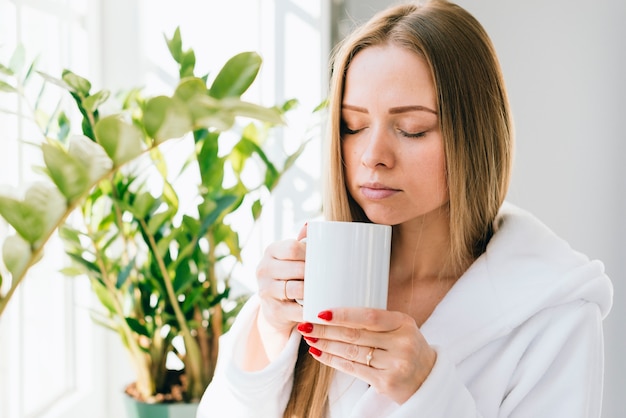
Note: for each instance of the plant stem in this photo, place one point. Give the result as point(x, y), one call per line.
point(191, 345)
point(145, 385)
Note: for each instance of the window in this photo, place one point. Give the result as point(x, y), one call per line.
point(54, 362)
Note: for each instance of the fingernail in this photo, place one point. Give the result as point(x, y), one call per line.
point(305, 327)
point(325, 315)
point(315, 351)
point(311, 339)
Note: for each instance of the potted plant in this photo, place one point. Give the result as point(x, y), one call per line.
point(159, 261)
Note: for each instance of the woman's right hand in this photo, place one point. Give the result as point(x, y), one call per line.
point(280, 277)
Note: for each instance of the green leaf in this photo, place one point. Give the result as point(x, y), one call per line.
point(37, 214)
point(192, 299)
point(16, 63)
point(69, 235)
point(210, 164)
point(92, 155)
point(289, 105)
point(29, 72)
point(64, 126)
point(89, 267)
point(170, 197)
point(77, 83)
point(7, 87)
point(49, 202)
point(53, 80)
point(187, 64)
point(271, 178)
point(143, 205)
point(184, 279)
point(210, 211)
point(104, 296)
point(321, 106)
point(239, 155)
point(292, 158)
point(208, 112)
point(137, 327)
point(224, 233)
point(255, 111)
point(71, 271)
point(158, 220)
point(92, 102)
point(124, 273)
point(236, 76)
point(256, 209)
point(16, 254)
point(166, 118)
point(175, 45)
point(6, 70)
point(122, 141)
point(68, 173)
point(190, 87)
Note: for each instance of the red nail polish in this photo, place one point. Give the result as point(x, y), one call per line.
point(325, 315)
point(315, 351)
point(305, 327)
point(311, 339)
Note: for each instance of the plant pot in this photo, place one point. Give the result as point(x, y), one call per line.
point(136, 409)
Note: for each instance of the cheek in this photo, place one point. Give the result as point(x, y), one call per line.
point(350, 156)
point(440, 173)
point(428, 169)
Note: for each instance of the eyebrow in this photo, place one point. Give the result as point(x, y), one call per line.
point(393, 110)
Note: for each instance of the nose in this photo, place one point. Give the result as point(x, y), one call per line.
point(379, 150)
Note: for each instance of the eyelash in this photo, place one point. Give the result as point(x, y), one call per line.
point(347, 131)
point(344, 130)
point(412, 135)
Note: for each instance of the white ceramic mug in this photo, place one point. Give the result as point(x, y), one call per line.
point(347, 265)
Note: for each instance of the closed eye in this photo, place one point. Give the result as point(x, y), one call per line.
point(412, 134)
point(345, 130)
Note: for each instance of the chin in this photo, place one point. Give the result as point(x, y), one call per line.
point(382, 218)
point(397, 217)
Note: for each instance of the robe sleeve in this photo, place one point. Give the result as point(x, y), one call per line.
point(242, 394)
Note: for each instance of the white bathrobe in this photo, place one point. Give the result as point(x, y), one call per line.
point(518, 335)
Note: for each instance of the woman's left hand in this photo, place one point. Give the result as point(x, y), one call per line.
point(383, 348)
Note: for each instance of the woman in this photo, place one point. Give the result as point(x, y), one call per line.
point(489, 313)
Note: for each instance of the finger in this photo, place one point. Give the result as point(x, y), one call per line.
point(281, 314)
point(302, 233)
point(354, 368)
point(285, 261)
point(287, 290)
point(289, 249)
point(351, 352)
point(378, 320)
point(385, 381)
point(292, 289)
point(345, 335)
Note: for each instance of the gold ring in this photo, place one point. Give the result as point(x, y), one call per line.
point(369, 356)
point(285, 290)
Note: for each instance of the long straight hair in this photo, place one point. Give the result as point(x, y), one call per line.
point(477, 132)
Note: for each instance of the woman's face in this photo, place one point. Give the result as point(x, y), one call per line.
point(391, 141)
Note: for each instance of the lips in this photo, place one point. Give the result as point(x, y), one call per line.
point(377, 191)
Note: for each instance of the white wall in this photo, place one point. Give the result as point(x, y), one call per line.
point(564, 62)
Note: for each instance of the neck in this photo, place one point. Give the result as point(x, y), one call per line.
point(420, 249)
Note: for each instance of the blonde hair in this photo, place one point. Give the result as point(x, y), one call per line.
point(477, 132)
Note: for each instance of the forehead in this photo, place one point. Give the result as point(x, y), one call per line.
point(390, 75)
